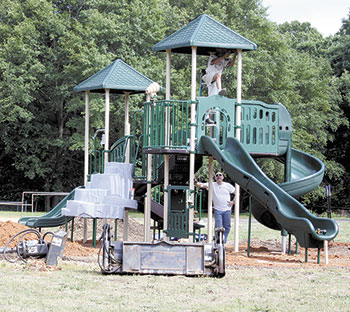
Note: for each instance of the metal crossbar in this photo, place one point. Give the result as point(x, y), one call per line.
point(35, 193)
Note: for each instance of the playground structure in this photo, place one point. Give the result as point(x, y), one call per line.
point(153, 169)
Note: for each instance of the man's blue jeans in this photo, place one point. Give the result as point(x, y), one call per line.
point(223, 219)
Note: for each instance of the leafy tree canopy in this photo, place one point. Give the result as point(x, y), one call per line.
point(47, 47)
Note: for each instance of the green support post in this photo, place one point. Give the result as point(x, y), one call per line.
point(115, 229)
point(72, 230)
point(288, 164)
point(318, 255)
point(94, 230)
point(306, 255)
point(296, 248)
point(249, 224)
point(66, 223)
point(289, 244)
point(200, 213)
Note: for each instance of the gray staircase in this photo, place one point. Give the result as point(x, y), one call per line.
point(105, 196)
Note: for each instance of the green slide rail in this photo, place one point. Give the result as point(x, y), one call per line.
point(51, 219)
point(310, 231)
point(306, 174)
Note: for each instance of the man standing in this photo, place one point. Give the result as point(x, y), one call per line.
point(222, 202)
point(215, 67)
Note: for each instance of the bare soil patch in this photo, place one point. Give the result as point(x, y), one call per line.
point(268, 254)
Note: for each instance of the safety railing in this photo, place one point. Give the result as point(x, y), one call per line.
point(96, 162)
point(221, 112)
point(166, 124)
point(117, 153)
point(259, 129)
point(121, 147)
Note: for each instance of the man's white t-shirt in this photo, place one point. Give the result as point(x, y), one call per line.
point(221, 195)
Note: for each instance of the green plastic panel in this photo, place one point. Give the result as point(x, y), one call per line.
point(260, 127)
point(266, 129)
point(219, 109)
point(177, 212)
point(166, 124)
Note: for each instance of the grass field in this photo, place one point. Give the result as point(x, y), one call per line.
point(79, 286)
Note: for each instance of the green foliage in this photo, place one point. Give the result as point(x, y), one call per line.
point(49, 46)
point(338, 147)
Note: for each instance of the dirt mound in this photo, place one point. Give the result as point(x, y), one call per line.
point(9, 229)
point(76, 248)
point(262, 253)
point(268, 254)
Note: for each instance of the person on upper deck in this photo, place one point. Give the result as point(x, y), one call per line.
point(216, 64)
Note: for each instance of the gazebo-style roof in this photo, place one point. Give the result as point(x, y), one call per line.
point(119, 77)
point(206, 34)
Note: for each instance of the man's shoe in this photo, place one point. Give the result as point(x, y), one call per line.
point(208, 121)
point(222, 91)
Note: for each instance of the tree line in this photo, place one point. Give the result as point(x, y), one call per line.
point(48, 47)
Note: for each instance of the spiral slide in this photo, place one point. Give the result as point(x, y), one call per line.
point(283, 209)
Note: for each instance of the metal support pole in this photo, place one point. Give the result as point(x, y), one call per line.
point(166, 160)
point(147, 209)
point(126, 226)
point(127, 127)
point(238, 137)
point(115, 229)
point(284, 234)
point(166, 194)
point(249, 224)
point(167, 78)
point(210, 201)
point(326, 251)
point(167, 127)
point(107, 109)
point(127, 160)
point(86, 149)
point(192, 140)
point(147, 212)
point(329, 204)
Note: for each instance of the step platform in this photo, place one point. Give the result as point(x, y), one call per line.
point(107, 195)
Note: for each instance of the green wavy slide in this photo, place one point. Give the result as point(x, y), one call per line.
point(284, 210)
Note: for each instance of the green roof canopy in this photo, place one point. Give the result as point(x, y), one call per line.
point(206, 34)
point(119, 77)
